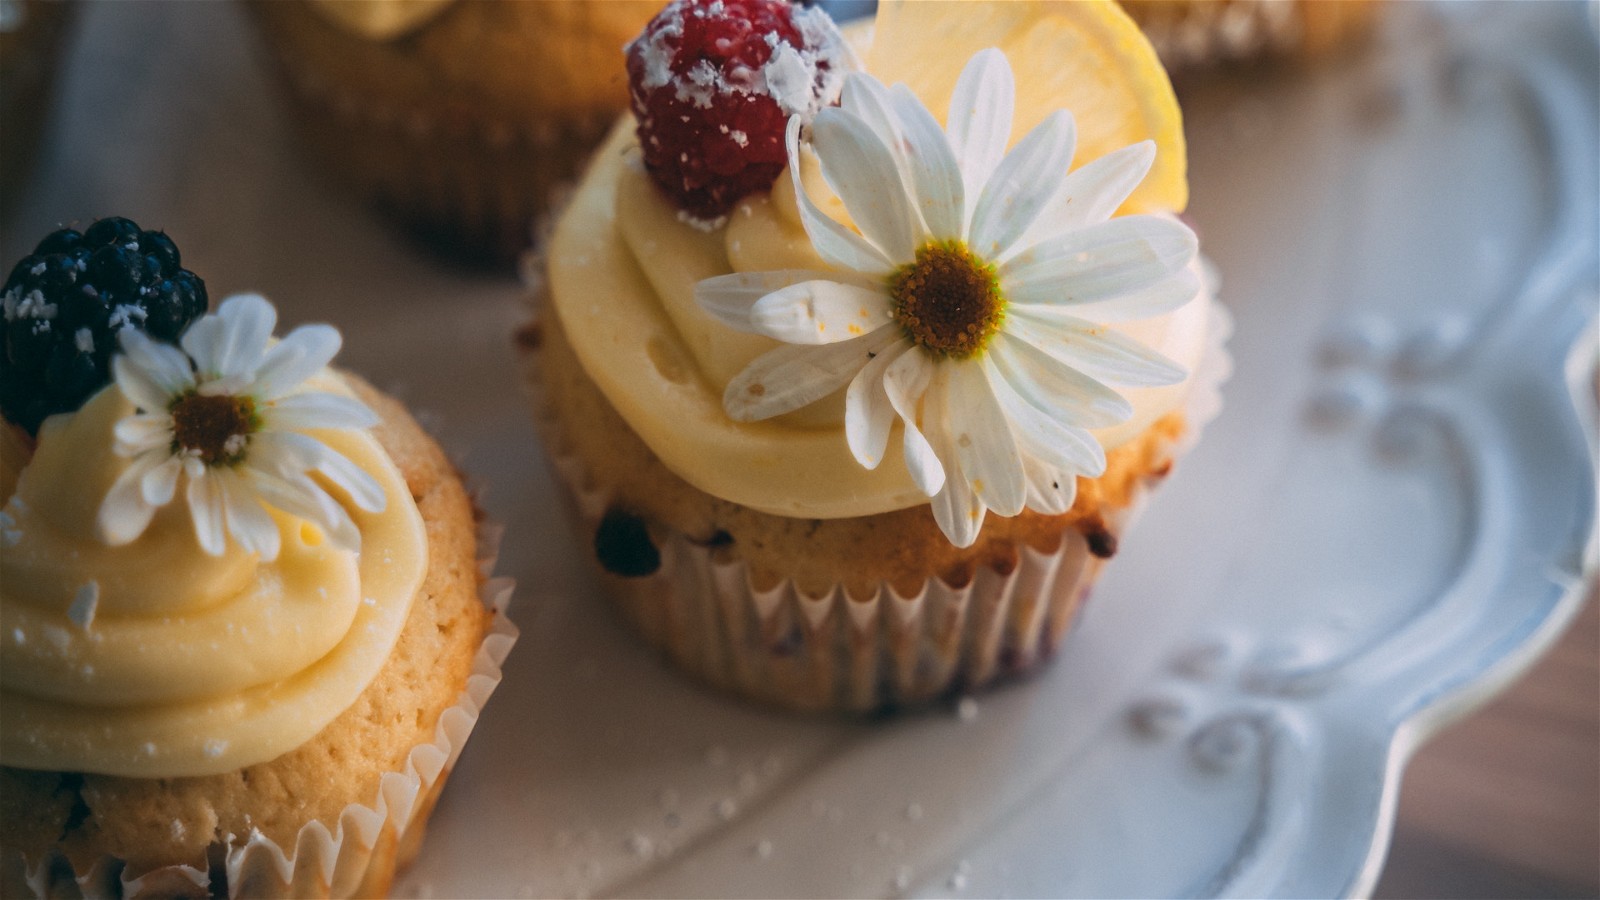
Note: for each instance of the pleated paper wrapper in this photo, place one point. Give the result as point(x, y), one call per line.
point(783, 646)
point(359, 855)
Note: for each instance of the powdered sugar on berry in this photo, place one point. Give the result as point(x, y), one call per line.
point(712, 86)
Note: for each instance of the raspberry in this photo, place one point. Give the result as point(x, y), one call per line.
point(713, 84)
point(64, 303)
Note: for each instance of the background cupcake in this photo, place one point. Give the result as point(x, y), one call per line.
point(1196, 34)
point(832, 468)
point(457, 117)
point(33, 38)
point(246, 631)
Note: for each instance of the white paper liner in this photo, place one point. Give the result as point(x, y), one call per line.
point(360, 856)
point(782, 646)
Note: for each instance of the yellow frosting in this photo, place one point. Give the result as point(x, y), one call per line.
point(154, 659)
point(622, 274)
point(380, 20)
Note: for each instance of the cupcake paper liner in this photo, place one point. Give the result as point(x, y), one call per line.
point(368, 843)
point(787, 647)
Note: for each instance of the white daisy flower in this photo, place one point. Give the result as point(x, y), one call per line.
point(972, 303)
point(227, 416)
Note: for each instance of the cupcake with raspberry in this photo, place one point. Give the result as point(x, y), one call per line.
point(456, 117)
point(243, 627)
point(854, 403)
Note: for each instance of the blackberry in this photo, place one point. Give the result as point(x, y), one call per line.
point(64, 303)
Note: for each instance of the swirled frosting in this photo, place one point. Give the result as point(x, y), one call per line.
point(622, 272)
point(155, 659)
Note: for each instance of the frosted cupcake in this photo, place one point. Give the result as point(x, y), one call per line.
point(456, 117)
point(855, 403)
point(1196, 34)
point(243, 627)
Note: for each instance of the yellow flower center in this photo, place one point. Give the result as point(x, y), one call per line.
point(215, 428)
point(947, 300)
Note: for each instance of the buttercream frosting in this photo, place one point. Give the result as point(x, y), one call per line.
point(622, 273)
point(155, 659)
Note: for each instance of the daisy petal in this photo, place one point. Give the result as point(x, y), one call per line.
point(140, 432)
point(249, 524)
point(235, 346)
point(1022, 184)
point(318, 410)
point(728, 298)
point(982, 440)
point(868, 414)
point(1158, 299)
point(1094, 191)
point(837, 245)
point(150, 374)
point(300, 496)
point(906, 382)
point(862, 171)
point(204, 495)
point(1101, 262)
point(1041, 435)
point(1060, 391)
point(935, 175)
point(979, 123)
point(792, 376)
point(300, 355)
point(1095, 350)
point(290, 454)
point(160, 484)
point(820, 312)
point(867, 98)
point(957, 508)
point(362, 488)
point(1049, 491)
point(124, 514)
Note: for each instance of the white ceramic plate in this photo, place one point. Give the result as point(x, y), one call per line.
point(1387, 523)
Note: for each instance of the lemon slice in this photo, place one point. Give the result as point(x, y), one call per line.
point(1084, 56)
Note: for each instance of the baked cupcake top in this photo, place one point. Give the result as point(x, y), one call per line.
point(911, 311)
point(210, 557)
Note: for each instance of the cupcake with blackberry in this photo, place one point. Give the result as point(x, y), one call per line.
point(456, 117)
point(243, 627)
point(854, 402)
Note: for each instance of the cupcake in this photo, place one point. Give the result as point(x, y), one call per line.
point(457, 117)
point(244, 625)
point(1195, 34)
point(33, 39)
point(854, 404)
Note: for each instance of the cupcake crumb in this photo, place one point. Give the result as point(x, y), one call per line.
point(763, 849)
point(914, 811)
point(902, 878)
point(726, 808)
point(640, 845)
point(967, 709)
